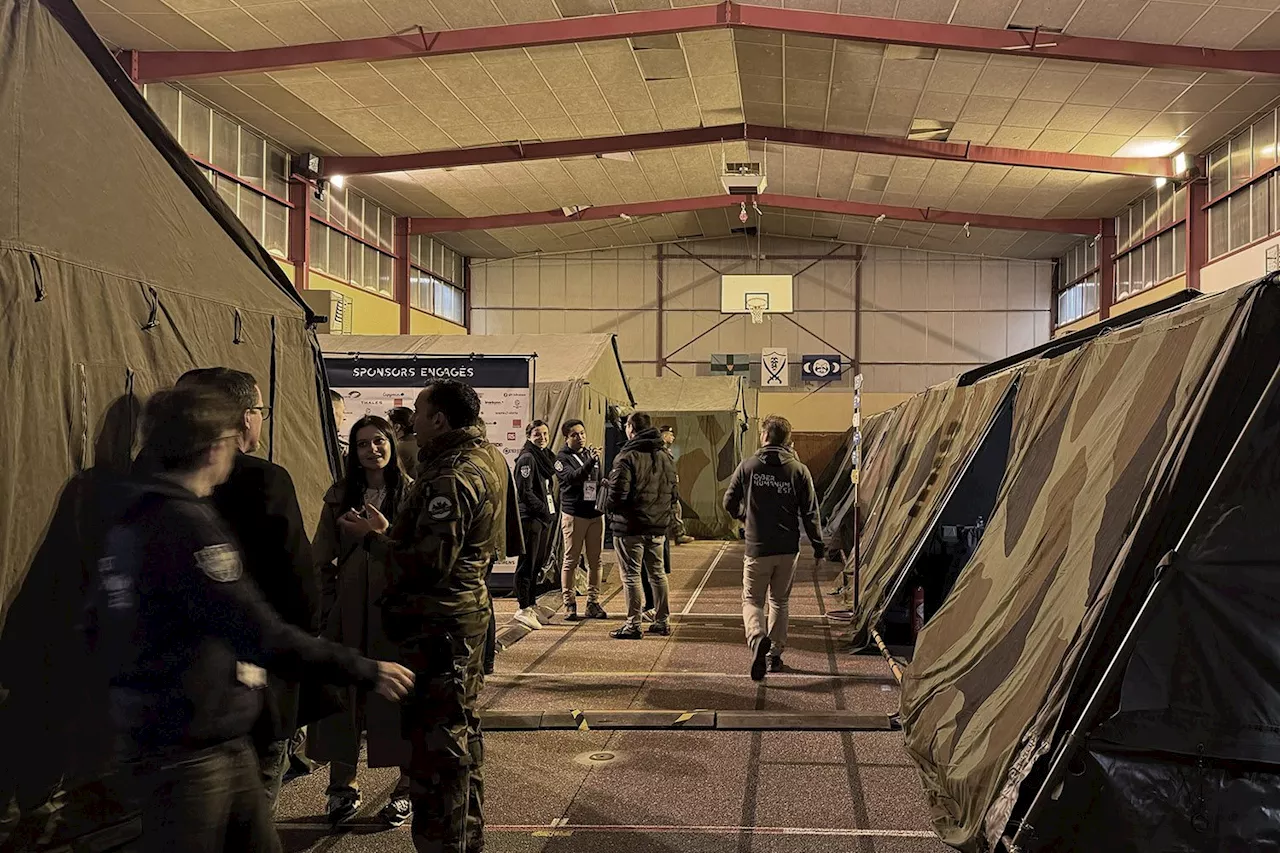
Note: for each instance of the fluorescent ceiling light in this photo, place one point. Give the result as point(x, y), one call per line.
point(338, 181)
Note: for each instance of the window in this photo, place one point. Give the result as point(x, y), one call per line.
point(164, 100)
point(275, 228)
point(1264, 144)
point(1078, 301)
point(1241, 158)
point(193, 127)
point(1260, 194)
point(1219, 170)
point(251, 209)
point(1179, 250)
point(226, 144)
point(1219, 237)
point(252, 162)
point(1238, 216)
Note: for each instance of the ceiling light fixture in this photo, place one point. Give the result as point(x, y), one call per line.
point(1181, 163)
point(1160, 182)
point(338, 181)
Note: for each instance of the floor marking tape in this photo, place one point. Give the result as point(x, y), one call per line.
point(711, 568)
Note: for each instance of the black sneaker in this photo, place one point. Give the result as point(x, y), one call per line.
point(595, 611)
point(662, 629)
point(571, 613)
point(760, 662)
point(342, 807)
point(627, 634)
point(397, 812)
point(775, 663)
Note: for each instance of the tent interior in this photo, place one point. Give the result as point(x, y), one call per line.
point(954, 535)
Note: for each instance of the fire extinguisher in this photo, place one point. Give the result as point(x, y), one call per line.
point(917, 612)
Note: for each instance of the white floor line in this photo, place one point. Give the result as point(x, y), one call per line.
point(569, 828)
point(688, 608)
point(551, 676)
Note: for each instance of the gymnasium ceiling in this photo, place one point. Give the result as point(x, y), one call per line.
point(722, 77)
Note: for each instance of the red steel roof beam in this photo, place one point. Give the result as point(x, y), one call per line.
point(1037, 44)
point(424, 225)
point(1143, 167)
point(156, 66)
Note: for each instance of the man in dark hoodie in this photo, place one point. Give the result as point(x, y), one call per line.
point(181, 631)
point(535, 469)
point(642, 499)
point(773, 493)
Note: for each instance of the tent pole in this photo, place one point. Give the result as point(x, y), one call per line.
point(1115, 667)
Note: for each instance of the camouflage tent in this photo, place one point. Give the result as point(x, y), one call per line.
point(1117, 616)
point(713, 431)
point(912, 468)
point(575, 376)
point(112, 284)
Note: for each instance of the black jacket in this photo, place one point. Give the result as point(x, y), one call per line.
point(177, 619)
point(773, 492)
point(573, 471)
point(643, 490)
point(260, 506)
point(533, 471)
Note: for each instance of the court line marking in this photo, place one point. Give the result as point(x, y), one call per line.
point(641, 828)
point(677, 674)
point(688, 608)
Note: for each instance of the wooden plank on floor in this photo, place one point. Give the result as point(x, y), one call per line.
point(818, 721)
point(674, 720)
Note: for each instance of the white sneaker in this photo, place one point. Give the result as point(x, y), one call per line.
point(529, 618)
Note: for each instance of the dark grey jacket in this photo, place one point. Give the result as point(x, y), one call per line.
point(643, 491)
point(773, 492)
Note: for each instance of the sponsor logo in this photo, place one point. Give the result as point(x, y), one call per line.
point(769, 481)
point(525, 471)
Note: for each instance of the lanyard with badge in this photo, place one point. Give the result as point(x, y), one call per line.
point(590, 486)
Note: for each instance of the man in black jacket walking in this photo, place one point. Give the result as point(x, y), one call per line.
point(773, 493)
point(642, 499)
point(182, 634)
point(535, 468)
point(260, 506)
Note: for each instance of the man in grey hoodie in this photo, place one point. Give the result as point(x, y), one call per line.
point(773, 493)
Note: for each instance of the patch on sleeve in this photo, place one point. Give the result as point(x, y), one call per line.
point(440, 507)
point(221, 563)
point(559, 465)
point(525, 471)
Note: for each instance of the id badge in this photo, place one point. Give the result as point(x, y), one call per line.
point(589, 490)
point(551, 505)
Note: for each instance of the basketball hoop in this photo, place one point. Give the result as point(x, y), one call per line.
point(757, 305)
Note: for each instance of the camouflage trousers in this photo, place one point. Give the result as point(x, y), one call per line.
point(446, 769)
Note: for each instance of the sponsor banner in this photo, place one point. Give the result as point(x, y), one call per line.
point(374, 386)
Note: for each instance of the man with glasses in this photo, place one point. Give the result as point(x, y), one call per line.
point(259, 504)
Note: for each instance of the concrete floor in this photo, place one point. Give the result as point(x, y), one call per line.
point(674, 791)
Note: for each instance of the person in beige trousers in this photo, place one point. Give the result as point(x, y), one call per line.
point(773, 493)
point(578, 468)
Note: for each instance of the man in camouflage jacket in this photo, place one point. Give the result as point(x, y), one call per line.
point(453, 525)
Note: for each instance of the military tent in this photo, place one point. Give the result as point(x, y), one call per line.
point(575, 376)
point(1102, 675)
point(713, 432)
point(120, 268)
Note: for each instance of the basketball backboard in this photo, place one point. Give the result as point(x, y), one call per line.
point(739, 292)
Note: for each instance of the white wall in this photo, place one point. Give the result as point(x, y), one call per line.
point(925, 316)
point(1243, 267)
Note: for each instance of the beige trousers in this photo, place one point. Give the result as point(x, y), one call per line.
point(580, 533)
point(767, 577)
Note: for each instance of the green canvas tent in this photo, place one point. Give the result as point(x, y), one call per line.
point(713, 431)
point(120, 268)
point(1102, 674)
point(575, 376)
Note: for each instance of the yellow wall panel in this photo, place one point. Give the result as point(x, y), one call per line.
point(1155, 294)
point(422, 323)
point(1083, 323)
point(371, 314)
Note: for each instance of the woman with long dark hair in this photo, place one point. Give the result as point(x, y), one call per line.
point(352, 585)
